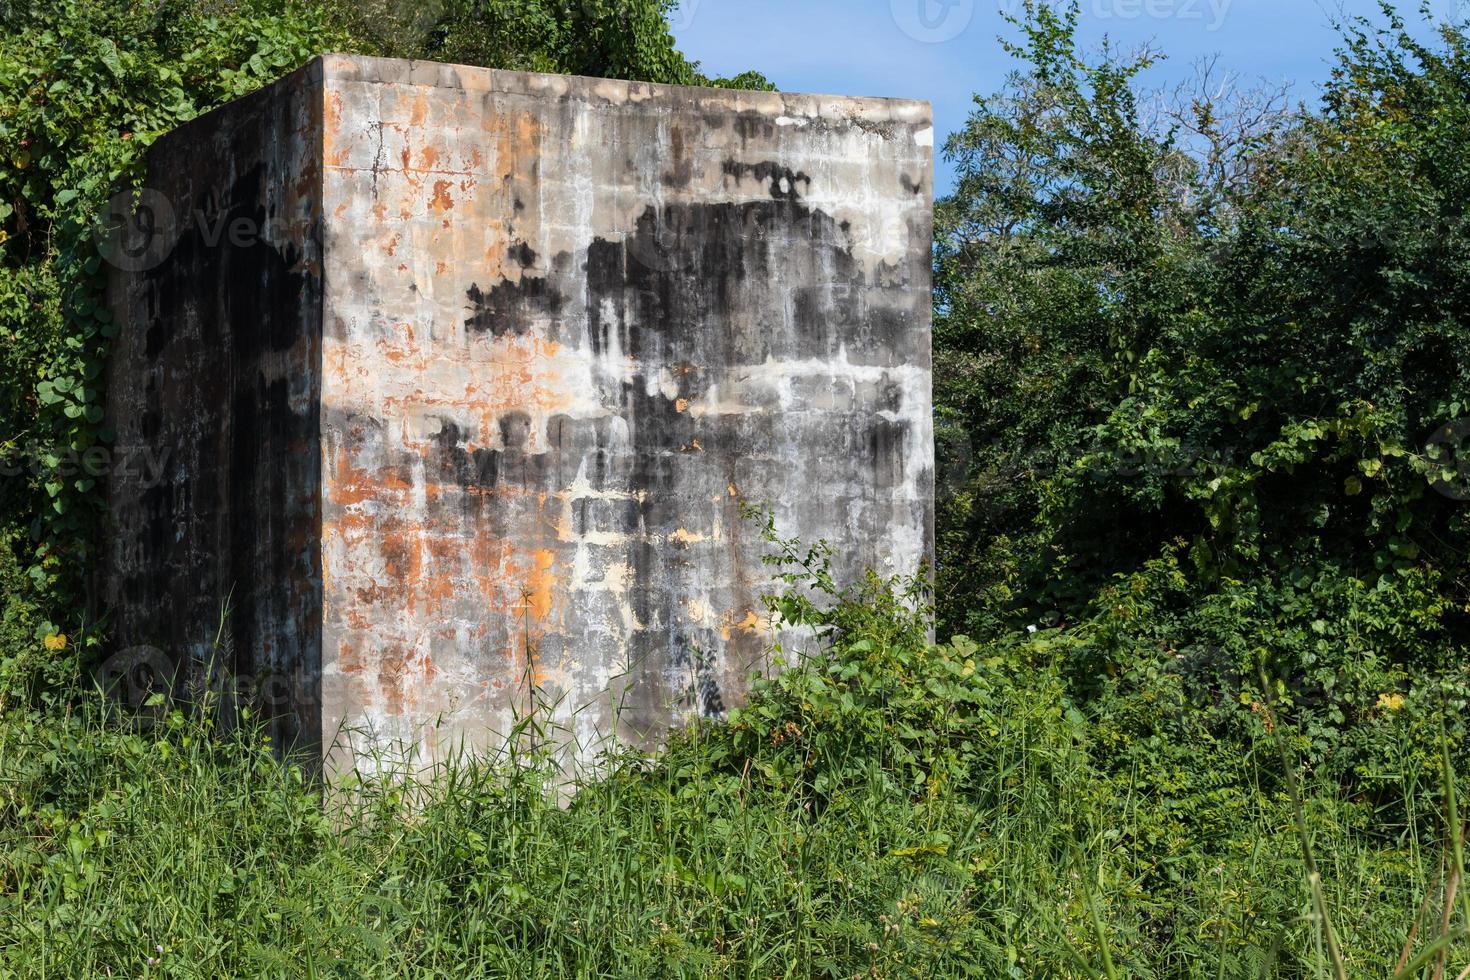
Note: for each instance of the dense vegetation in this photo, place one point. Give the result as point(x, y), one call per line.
point(884, 808)
point(1202, 586)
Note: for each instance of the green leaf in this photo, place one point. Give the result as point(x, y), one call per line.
point(108, 52)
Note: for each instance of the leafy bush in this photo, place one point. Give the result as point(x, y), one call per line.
point(1234, 327)
point(883, 807)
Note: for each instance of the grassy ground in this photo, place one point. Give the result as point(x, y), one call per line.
point(891, 809)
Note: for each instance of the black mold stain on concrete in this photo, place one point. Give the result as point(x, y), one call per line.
point(679, 291)
point(510, 306)
point(227, 532)
point(682, 170)
point(262, 317)
point(691, 305)
point(515, 431)
point(783, 181)
point(199, 332)
point(523, 254)
point(477, 469)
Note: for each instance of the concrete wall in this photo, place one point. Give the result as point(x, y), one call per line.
point(567, 327)
point(214, 393)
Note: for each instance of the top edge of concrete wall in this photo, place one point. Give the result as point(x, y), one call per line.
point(869, 112)
point(616, 91)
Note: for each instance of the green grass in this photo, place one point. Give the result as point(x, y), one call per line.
point(850, 822)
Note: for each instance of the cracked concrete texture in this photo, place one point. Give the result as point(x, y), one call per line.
point(469, 430)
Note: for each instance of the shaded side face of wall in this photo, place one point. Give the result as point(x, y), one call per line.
point(211, 553)
point(571, 327)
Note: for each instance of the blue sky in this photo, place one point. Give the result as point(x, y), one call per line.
point(946, 50)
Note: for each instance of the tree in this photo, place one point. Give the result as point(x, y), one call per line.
point(1221, 324)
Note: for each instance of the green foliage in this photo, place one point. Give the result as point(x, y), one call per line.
point(605, 38)
point(883, 807)
point(1205, 370)
point(1235, 329)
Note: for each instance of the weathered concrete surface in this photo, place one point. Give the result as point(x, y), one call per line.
point(216, 377)
point(527, 345)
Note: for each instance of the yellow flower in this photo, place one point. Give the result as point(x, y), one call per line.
point(1391, 702)
point(56, 641)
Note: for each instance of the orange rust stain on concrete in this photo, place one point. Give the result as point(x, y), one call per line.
point(441, 200)
point(419, 111)
point(440, 590)
point(494, 258)
point(408, 355)
point(392, 663)
point(349, 657)
point(331, 124)
point(539, 674)
point(515, 138)
point(540, 583)
point(489, 559)
point(374, 594)
point(353, 485)
point(402, 552)
point(351, 527)
point(750, 624)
